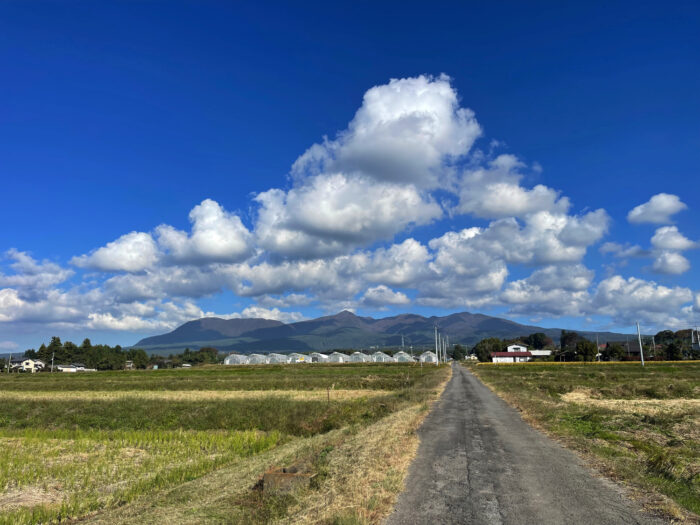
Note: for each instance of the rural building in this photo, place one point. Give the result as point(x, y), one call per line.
point(317, 357)
point(428, 357)
point(236, 359)
point(277, 359)
point(337, 357)
point(24, 364)
point(359, 357)
point(257, 359)
point(510, 357)
point(66, 368)
point(517, 348)
point(541, 353)
point(381, 357)
point(403, 357)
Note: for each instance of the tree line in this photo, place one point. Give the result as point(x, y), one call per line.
point(665, 345)
point(105, 357)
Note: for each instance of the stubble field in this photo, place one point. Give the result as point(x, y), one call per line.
point(189, 445)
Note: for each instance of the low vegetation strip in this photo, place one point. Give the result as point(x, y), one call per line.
point(640, 425)
point(367, 376)
point(70, 452)
point(191, 395)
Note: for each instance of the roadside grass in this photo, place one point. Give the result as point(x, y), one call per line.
point(71, 453)
point(642, 425)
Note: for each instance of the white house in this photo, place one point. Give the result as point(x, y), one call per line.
point(510, 357)
point(236, 359)
point(25, 364)
point(428, 357)
point(517, 348)
point(337, 357)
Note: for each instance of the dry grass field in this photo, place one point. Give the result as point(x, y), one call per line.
point(638, 425)
point(189, 446)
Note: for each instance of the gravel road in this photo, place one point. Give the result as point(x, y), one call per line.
point(479, 462)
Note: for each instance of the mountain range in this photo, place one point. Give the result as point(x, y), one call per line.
point(344, 330)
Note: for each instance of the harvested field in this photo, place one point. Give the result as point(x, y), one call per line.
point(82, 447)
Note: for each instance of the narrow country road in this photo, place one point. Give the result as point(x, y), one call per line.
point(480, 463)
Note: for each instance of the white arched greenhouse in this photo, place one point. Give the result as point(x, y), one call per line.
point(317, 357)
point(428, 357)
point(277, 359)
point(359, 357)
point(403, 357)
point(257, 359)
point(381, 357)
point(337, 357)
point(236, 359)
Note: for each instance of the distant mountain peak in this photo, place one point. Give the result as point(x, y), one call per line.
point(342, 330)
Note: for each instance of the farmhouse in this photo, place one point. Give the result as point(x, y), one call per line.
point(517, 348)
point(24, 364)
point(510, 357)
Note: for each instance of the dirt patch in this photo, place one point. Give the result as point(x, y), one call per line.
point(637, 406)
point(28, 497)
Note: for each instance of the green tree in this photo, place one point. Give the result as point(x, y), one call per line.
point(458, 352)
point(537, 341)
point(613, 352)
point(586, 349)
point(673, 352)
point(483, 348)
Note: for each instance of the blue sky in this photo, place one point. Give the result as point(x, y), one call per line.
point(495, 174)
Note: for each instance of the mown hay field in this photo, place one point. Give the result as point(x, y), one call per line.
point(638, 425)
point(121, 447)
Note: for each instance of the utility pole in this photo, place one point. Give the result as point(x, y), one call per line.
point(9, 362)
point(641, 348)
point(52, 354)
point(597, 347)
point(437, 360)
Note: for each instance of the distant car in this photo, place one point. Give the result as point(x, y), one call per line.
point(186, 365)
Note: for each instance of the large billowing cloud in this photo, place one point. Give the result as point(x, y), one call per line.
point(398, 208)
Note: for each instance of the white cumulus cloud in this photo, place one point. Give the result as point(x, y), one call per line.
point(132, 252)
point(657, 210)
